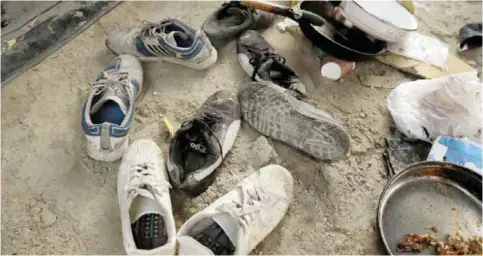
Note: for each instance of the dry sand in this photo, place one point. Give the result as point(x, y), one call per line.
point(56, 200)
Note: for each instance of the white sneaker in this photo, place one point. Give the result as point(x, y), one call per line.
point(143, 191)
point(238, 221)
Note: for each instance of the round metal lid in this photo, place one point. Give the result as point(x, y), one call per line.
point(391, 12)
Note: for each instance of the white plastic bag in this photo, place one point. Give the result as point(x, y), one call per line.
point(450, 105)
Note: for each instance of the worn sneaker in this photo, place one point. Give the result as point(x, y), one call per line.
point(260, 61)
point(108, 112)
point(275, 112)
point(199, 146)
point(169, 40)
point(231, 19)
point(238, 221)
point(147, 220)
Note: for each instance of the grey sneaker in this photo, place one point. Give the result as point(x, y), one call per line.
point(199, 146)
point(260, 61)
point(169, 40)
point(231, 19)
point(275, 112)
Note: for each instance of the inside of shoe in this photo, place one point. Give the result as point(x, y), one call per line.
point(209, 233)
point(148, 226)
point(194, 147)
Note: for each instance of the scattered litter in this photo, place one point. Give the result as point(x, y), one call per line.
point(458, 151)
point(450, 105)
point(422, 48)
point(470, 36)
point(170, 132)
point(401, 152)
point(408, 5)
point(286, 23)
point(334, 68)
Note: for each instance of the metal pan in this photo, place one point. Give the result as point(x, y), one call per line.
point(317, 24)
point(333, 37)
point(430, 194)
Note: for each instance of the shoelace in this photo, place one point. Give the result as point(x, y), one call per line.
point(143, 179)
point(207, 118)
point(149, 26)
point(116, 82)
point(254, 198)
point(261, 56)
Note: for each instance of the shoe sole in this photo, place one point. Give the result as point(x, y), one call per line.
point(107, 156)
point(198, 66)
point(270, 112)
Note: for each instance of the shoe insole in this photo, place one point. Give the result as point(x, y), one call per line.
point(109, 112)
point(149, 231)
point(214, 238)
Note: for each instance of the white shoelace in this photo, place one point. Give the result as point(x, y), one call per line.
point(254, 199)
point(118, 82)
point(142, 180)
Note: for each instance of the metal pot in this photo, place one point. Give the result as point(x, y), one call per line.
point(430, 194)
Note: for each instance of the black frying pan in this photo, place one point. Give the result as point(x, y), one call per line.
point(316, 22)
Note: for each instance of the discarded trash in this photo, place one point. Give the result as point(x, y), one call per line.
point(450, 105)
point(169, 133)
point(458, 151)
point(286, 24)
point(470, 36)
point(334, 68)
point(422, 48)
point(453, 65)
point(400, 153)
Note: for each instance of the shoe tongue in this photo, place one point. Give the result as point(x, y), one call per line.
point(229, 225)
point(143, 204)
point(189, 246)
point(112, 95)
point(171, 37)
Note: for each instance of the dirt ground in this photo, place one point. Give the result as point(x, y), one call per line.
point(56, 200)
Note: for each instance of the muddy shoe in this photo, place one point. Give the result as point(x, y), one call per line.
point(230, 20)
point(147, 220)
point(109, 110)
point(260, 61)
point(169, 40)
point(199, 146)
point(238, 221)
point(275, 112)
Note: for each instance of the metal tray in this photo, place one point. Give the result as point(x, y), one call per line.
point(439, 194)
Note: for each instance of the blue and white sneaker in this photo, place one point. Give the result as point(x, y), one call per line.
point(169, 40)
point(109, 111)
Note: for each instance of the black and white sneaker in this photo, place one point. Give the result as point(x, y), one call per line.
point(199, 146)
point(260, 61)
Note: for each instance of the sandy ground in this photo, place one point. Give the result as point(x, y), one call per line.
point(56, 200)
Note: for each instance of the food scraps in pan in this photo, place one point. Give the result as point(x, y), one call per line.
point(416, 242)
point(450, 245)
point(457, 245)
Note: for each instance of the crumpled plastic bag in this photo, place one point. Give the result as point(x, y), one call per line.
point(450, 106)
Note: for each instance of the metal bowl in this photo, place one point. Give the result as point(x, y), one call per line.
point(430, 194)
